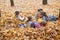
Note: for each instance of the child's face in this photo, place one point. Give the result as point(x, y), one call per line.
point(40, 15)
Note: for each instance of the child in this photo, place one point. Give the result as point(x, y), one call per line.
point(29, 21)
point(51, 17)
point(32, 23)
point(42, 18)
point(39, 10)
point(21, 18)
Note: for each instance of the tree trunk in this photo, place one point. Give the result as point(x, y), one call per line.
point(12, 2)
point(44, 2)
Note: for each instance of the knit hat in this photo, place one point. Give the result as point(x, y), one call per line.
point(40, 10)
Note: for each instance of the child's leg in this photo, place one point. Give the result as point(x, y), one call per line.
point(33, 25)
point(53, 18)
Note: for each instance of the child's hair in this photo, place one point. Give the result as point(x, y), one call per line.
point(16, 12)
point(29, 18)
point(43, 13)
point(43, 23)
point(40, 10)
